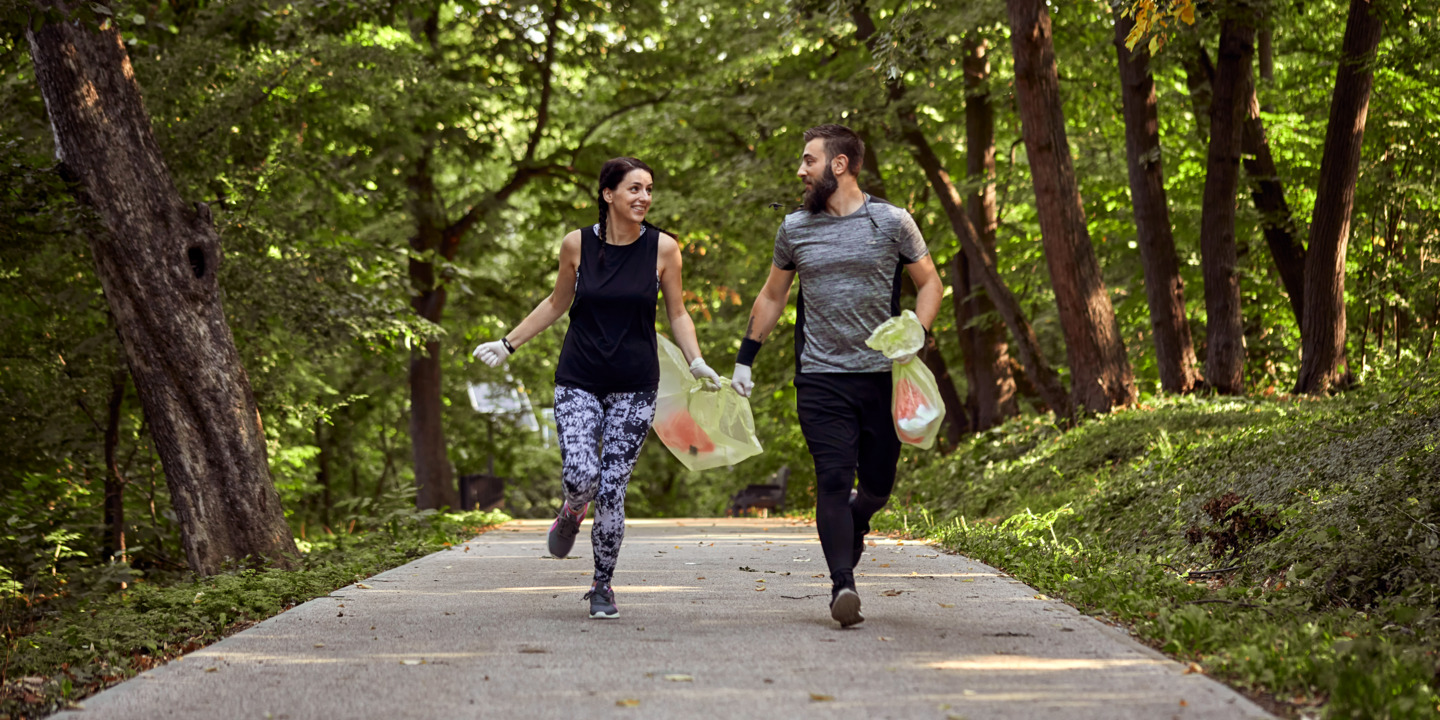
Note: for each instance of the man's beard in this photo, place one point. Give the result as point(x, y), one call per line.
point(820, 191)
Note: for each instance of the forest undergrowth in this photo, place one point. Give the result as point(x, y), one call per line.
point(1288, 546)
point(58, 650)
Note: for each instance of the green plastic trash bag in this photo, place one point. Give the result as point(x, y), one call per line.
point(704, 427)
point(915, 403)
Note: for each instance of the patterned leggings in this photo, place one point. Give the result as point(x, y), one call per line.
point(600, 439)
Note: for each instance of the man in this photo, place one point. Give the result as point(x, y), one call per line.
point(848, 249)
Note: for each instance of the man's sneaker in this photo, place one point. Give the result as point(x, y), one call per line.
point(564, 530)
point(602, 602)
point(845, 606)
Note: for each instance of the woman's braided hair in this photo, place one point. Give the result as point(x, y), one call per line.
point(612, 173)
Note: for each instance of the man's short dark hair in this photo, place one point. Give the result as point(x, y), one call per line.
point(840, 140)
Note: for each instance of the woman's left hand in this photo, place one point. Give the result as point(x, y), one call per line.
point(704, 373)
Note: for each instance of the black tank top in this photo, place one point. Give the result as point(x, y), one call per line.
point(610, 346)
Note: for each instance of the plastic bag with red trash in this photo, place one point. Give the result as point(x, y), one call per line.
point(704, 428)
point(916, 404)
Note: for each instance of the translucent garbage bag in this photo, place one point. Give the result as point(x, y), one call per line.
point(916, 405)
point(704, 428)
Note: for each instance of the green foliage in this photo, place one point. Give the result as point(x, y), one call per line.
point(100, 640)
point(1335, 604)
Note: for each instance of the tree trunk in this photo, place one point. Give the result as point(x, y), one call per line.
point(1268, 194)
point(1164, 288)
point(1322, 335)
point(1225, 332)
point(1047, 381)
point(322, 474)
point(987, 354)
point(114, 482)
point(1100, 372)
point(434, 477)
point(1267, 191)
point(158, 264)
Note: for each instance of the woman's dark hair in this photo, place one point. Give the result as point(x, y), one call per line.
point(612, 173)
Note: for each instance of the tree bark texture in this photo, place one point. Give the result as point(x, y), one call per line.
point(1225, 332)
point(157, 263)
point(1100, 372)
point(1322, 334)
point(987, 354)
point(1164, 288)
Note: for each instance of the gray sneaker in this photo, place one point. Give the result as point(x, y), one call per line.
point(564, 530)
point(845, 607)
point(602, 603)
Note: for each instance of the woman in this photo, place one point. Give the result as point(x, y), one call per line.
point(609, 366)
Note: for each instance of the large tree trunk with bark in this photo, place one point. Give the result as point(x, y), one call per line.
point(1164, 288)
point(987, 354)
point(1100, 372)
point(1322, 335)
point(1225, 332)
point(158, 264)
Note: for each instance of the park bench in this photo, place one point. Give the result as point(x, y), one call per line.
point(763, 497)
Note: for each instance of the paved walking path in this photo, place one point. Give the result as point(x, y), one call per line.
point(718, 619)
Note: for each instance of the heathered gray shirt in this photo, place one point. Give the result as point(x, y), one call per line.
point(849, 269)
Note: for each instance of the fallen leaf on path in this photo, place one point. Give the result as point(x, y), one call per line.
point(946, 605)
point(1184, 704)
point(1194, 668)
point(799, 559)
point(968, 580)
point(411, 662)
point(817, 697)
point(319, 645)
point(884, 639)
point(892, 593)
point(871, 543)
point(760, 589)
point(212, 669)
point(362, 586)
point(884, 564)
point(700, 578)
point(820, 575)
point(628, 702)
point(677, 677)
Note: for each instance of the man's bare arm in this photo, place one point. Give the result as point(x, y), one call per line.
point(770, 304)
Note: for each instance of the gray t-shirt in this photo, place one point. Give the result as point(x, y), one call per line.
point(849, 269)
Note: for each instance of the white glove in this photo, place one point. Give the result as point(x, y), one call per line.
point(491, 353)
point(740, 381)
point(702, 372)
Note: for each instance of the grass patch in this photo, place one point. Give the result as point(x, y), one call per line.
point(1291, 547)
point(80, 648)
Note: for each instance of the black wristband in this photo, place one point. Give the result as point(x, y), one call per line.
point(506, 342)
point(748, 350)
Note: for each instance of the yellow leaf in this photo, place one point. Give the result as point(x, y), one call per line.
point(677, 677)
point(627, 702)
point(817, 697)
point(946, 605)
point(1155, 44)
point(1187, 12)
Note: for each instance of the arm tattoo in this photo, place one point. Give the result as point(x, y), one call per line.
point(750, 329)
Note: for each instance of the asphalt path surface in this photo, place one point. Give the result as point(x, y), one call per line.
point(719, 618)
